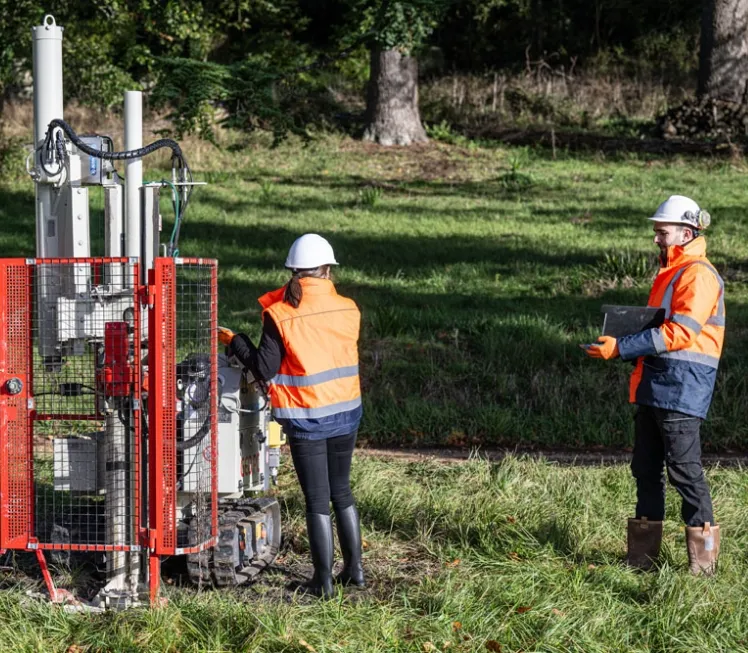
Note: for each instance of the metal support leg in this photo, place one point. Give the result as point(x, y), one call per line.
point(154, 577)
point(56, 595)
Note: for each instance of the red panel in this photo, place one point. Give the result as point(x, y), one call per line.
point(116, 373)
point(162, 406)
point(86, 547)
point(214, 398)
point(16, 472)
point(137, 388)
point(56, 417)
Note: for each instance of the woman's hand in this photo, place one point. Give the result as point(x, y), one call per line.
point(225, 336)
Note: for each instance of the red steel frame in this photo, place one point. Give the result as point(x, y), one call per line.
point(18, 414)
point(16, 411)
point(162, 412)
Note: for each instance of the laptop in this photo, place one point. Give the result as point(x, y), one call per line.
point(624, 320)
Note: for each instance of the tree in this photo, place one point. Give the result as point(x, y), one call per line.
point(723, 58)
point(401, 26)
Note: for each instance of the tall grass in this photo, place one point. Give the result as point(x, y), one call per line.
point(518, 556)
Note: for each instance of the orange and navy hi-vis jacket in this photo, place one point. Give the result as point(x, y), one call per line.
point(317, 392)
point(677, 362)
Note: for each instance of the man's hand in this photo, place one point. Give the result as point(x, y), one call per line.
point(606, 348)
point(225, 336)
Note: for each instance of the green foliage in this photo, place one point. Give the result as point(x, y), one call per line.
point(640, 36)
point(370, 196)
point(90, 74)
point(12, 155)
point(16, 19)
point(267, 191)
point(191, 89)
point(441, 132)
point(280, 57)
point(516, 180)
point(254, 93)
point(626, 264)
point(402, 24)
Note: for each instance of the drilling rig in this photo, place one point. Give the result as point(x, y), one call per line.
point(126, 434)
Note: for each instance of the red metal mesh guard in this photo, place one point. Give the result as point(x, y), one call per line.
point(16, 505)
point(183, 413)
point(70, 336)
point(162, 404)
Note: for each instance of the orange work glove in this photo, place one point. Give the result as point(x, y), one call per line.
point(606, 348)
point(225, 336)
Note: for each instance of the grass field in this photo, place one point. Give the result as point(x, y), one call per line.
point(520, 556)
point(478, 270)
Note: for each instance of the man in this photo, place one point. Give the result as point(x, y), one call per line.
point(672, 386)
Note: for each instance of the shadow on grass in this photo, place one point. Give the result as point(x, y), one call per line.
point(481, 329)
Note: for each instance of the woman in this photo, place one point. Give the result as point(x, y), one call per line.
point(308, 356)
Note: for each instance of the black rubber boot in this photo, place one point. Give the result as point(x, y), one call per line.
point(349, 534)
point(319, 530)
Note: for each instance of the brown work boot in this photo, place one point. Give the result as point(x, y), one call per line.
point(644, 540)
point(703, 549)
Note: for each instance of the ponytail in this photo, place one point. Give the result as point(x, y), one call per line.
point(293, 292)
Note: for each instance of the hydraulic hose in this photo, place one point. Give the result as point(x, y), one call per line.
point(177, 156)
point(111, 156)
point(195, 439)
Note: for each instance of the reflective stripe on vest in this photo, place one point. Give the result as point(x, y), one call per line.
point(313, 379)
point(692, 357)
point(667, 298)
point(316, 413)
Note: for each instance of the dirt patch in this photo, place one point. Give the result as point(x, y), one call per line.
point(593, 456)
point(422, 161)
point(390, 565)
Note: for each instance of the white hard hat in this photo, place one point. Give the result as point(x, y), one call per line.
point(678, 209)
point(310, 251)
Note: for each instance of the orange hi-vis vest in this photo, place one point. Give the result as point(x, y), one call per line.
point(318, 376)
point(677, 362)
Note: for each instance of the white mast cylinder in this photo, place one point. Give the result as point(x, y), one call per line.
point(133, 171)
point(47, 55)
point(47, 40)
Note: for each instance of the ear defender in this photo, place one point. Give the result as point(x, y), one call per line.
point(700, 220)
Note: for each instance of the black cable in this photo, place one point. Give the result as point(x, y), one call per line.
point(195, 439)
point(114, 156)
point(177, 156)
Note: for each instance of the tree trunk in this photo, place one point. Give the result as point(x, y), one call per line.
point(392, 105)
point(723, 59)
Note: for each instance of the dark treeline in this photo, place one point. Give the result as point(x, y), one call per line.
point(113, 44)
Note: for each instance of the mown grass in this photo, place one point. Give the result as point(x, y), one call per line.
point(518, 556)
point(478, 269)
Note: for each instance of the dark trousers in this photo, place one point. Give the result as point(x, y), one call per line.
point(671, 439)
point(324, 471)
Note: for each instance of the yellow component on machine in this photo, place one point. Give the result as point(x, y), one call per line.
point(276, 437)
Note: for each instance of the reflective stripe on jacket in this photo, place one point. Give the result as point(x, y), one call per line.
point(317, 388)
point(677, 362)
